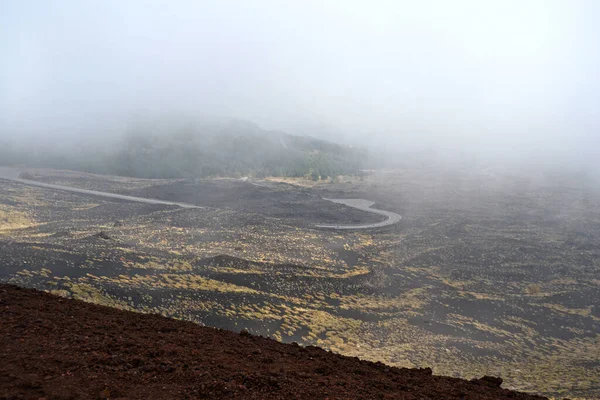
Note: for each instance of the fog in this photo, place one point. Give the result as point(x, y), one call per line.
point(502, 80)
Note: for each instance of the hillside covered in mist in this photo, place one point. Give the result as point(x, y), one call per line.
point(181, 150)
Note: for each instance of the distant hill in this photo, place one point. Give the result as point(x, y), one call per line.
point(226, 147)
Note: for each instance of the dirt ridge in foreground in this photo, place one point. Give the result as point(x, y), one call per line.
point(56, 348)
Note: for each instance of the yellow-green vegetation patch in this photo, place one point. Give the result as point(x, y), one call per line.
point(412, 299)
point(84, 207)
point(155, 264)
point(92, 294)
point(584, 312)
point(178, 281)
point(12, 219)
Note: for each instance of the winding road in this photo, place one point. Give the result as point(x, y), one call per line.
point(13, 174)
point(364, 205)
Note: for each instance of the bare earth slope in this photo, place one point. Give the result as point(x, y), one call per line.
point(58, 348)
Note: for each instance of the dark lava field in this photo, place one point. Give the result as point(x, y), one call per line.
point(485, 274)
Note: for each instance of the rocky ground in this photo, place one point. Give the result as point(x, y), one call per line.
point(55, 348)
point(485, 274)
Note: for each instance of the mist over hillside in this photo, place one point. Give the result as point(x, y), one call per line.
point(509, 82)
point(175, 149)
point(409, 182)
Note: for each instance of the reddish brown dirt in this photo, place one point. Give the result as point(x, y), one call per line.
point(56, 348)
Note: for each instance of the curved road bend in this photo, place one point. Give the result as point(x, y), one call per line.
point(364, 205)
point(12, 174)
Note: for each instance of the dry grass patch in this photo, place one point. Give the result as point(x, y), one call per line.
point(11, 219)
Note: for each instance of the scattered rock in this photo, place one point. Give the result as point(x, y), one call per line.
point(491, 381)
point(102, 235)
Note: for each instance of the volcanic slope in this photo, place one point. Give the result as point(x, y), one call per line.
point(59, 348)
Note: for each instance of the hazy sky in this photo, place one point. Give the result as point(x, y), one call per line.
point(505, 74)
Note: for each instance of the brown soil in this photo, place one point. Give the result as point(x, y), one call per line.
point(56, 348)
